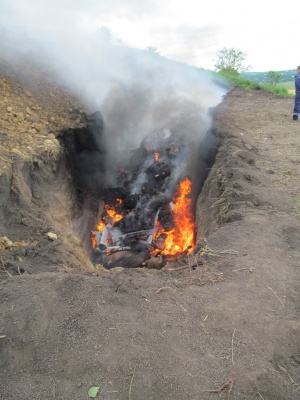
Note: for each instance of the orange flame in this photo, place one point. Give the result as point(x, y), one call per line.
point(94, 241)
point(112, 213)
point(114, 216)
point(100, 226)
point(181, 236)
point(156, 155)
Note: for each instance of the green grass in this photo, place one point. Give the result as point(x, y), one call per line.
point(287, 85)
point(290, 86)
point(283, 89)
point(237, 80)
point(279, 91)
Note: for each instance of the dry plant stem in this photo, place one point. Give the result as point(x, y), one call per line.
point(228, 384)
point(292, 380)
point(276, 296)
point(243, 269)
point(260, 395)
point(178, 268)
point(240, 269)
point(232, 347)
point(184, 267)
point(33, 314)
point(271, 369)
point(130, 386)
point(163, 288)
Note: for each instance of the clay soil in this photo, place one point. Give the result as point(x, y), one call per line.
point(228, 321)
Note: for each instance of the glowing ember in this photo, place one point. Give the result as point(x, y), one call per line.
point(100, 226)
point(94, 240)
point(181, 236)
point(156, 155)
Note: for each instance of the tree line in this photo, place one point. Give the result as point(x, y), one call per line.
point(262, 77)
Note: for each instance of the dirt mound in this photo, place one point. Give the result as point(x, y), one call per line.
point(230, 311)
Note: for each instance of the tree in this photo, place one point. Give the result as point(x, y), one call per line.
point(230, 60)
point(273, 77)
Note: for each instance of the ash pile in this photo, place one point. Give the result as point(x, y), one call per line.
point(142, 199)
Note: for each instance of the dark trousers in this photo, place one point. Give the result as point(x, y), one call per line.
point(297, 104)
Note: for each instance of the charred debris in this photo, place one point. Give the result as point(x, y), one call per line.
point(117, 218)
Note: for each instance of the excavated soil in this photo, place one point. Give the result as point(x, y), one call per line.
point(228, 315)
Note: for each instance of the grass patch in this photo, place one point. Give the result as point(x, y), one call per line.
point(288, 85)
point(278, 90)
point(239, 81)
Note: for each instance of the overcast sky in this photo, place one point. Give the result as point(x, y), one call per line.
point(191, 31)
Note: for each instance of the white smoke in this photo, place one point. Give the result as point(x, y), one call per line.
point(136, 91)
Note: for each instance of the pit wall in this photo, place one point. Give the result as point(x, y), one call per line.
point(228, 192)
point(37, 198)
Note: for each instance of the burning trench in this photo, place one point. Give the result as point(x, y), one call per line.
point(143, 215)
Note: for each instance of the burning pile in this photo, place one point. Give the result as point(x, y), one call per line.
point(149, 213)
point(180, 238)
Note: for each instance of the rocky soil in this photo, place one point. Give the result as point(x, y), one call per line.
point(224, 326)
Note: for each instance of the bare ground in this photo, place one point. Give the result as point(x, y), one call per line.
point(145, 334)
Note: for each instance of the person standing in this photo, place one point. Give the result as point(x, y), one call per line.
point(297, 95)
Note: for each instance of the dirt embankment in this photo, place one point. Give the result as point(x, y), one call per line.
point(36, 195)
point(143, 334)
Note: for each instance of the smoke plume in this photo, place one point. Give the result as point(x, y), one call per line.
point(138, 93)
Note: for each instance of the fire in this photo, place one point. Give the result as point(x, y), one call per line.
point(156, 155)
point(179, 239)
point(100, 226)
point(94, 240)
point(181, 236)
point(112, 212)
point(114, 216)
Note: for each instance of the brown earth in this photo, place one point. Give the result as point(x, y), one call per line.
point(142, 334)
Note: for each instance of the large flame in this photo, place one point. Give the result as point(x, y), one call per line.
point(181, 237)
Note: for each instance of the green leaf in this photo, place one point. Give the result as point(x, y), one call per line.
point(93, 391)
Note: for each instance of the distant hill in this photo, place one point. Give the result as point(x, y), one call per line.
point(261, 77)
